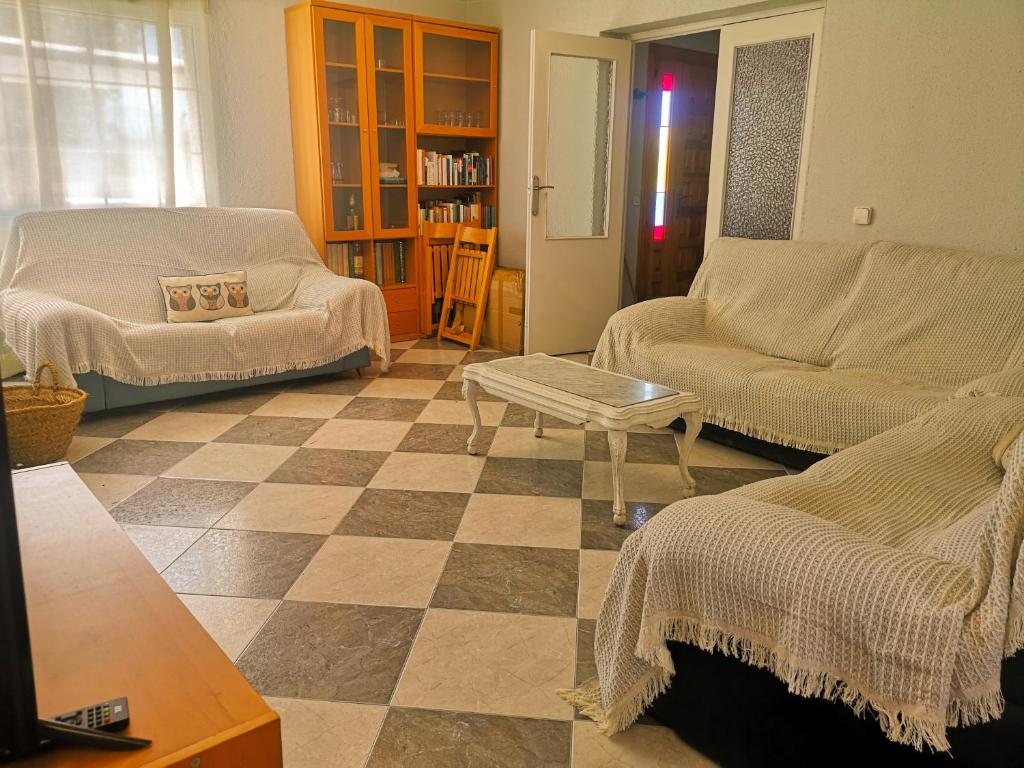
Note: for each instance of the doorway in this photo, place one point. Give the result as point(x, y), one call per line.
point(670, 162)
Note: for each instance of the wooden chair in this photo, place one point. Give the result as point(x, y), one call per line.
point(469, 280)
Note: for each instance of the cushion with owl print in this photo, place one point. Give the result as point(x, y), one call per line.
point(198, 298)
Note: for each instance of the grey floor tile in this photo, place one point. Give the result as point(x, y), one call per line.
point(486, 577)
point(271, 430)
point(444, 438)
point(136, 457)
point(712, 480)
point(331, 652)
point(243, 563)
point(600, 532)
point(585, 666)
point(405, 514)
point(116, 423)
point(531, 477)
point(483, 356)
point(183, 502)
point(520, 416)
point(238, 401)
point(422, 738)
point(326, 466)
point(436, 343)
point(348, 383)
point(641, 448)
point(452, 390)
point(434, 372)
point(383, 408)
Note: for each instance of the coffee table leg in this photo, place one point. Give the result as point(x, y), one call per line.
point(693, 425)
point(469, 392)
point(538, 425)
point(617, 449)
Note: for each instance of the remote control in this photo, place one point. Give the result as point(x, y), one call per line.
point(106, 716)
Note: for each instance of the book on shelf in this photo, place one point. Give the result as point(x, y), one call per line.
point(389, 258)
point(438, 169)
point(346, 259)
point(467, 208)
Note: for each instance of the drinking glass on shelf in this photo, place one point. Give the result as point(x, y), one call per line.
point(446, 118)
point(438, 116)
point(460, 118)
point(477, 120)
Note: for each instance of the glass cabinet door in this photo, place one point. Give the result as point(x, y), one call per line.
point(457, 93)
point(345, 146)
point(389, 64)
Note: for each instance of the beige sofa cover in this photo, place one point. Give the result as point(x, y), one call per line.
point(820, 346)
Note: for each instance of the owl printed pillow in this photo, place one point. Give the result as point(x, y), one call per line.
point(198, 298)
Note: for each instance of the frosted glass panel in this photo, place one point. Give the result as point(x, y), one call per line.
point(579, 137)
point(769, 94)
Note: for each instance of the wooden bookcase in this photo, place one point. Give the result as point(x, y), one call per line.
point(371, 90)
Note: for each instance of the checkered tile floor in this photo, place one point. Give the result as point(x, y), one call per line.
point(399, 602)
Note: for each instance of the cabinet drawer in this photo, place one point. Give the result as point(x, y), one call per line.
point(403, 322)
point(400, 299)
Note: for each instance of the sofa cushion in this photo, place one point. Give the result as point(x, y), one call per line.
point(932, 314)
point(202, 298)
point(784, 401)
point(780, 298)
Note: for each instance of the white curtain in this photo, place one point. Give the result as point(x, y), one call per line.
point(104, 102)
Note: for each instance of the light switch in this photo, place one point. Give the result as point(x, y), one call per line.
point(861, 215)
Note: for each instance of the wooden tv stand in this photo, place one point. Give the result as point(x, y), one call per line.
point(104, 624)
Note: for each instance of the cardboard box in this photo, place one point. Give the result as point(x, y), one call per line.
point(503, 320)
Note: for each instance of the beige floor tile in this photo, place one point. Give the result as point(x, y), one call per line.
point(520, 442)
point(411, 389)
point(185, 427)
point(291, 508)
point(456, 374)
point(81, 446)
point(231, 621)
point(326, 734)
point(457, 412)
point(497, 663)
point(708, 454)
point(661, 483)
point(403, 344)
point(231, 461)
point(111, 489)
point(595, 570)
point(359, 434)
point(368, 570)
point(525, 521)
point(434, 356)
point(641, 746)
point(162, 544)
point(304, 405)
point(429, 472)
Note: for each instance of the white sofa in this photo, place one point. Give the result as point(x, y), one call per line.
point(820, 346)
point(79, 288)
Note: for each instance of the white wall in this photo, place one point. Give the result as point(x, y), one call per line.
point(250, 95)
point(920, 114)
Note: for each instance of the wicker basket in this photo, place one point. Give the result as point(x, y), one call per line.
point(41, 419)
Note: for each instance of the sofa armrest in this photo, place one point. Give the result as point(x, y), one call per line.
point(1006, 383)
point(657, 321)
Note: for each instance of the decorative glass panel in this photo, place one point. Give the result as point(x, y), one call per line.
point(579, 138)
point(769, 94)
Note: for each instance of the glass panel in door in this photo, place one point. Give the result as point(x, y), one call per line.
point(579, 134)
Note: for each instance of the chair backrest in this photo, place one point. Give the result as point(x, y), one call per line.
point(438, 239)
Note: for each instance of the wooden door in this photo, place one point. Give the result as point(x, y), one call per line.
point(680, 108)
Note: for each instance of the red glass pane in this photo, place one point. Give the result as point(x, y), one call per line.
point(667, 81)
point(659, 233)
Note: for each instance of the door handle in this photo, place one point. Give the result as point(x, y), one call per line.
point(535, 196)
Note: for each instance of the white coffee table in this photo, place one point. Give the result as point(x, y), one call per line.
point(577, 393)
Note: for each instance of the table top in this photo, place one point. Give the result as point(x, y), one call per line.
point(612, 389)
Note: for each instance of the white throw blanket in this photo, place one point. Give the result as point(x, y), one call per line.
point(882, 577)
point(79, 288)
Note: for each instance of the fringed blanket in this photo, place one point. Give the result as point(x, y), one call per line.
point(79, 289)
point(882, 577)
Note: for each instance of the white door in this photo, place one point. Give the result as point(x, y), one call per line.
point(579, 108)
point(764, 101)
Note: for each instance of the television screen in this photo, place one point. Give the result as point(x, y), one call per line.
point(17, 694)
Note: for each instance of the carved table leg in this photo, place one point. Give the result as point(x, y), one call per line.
point(469, 392)
point(538, 425)
point(617, 449)
point(693, 425)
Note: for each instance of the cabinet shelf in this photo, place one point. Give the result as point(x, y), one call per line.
point(456, 186)
point(460, 78)
point(342, 125)
point(339, 65)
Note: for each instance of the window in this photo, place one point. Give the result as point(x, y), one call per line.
point(667, 82)
point(104, 102)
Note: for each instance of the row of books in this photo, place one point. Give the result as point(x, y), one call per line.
point(389, 260)
point(456, 210)
point(440, 169)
